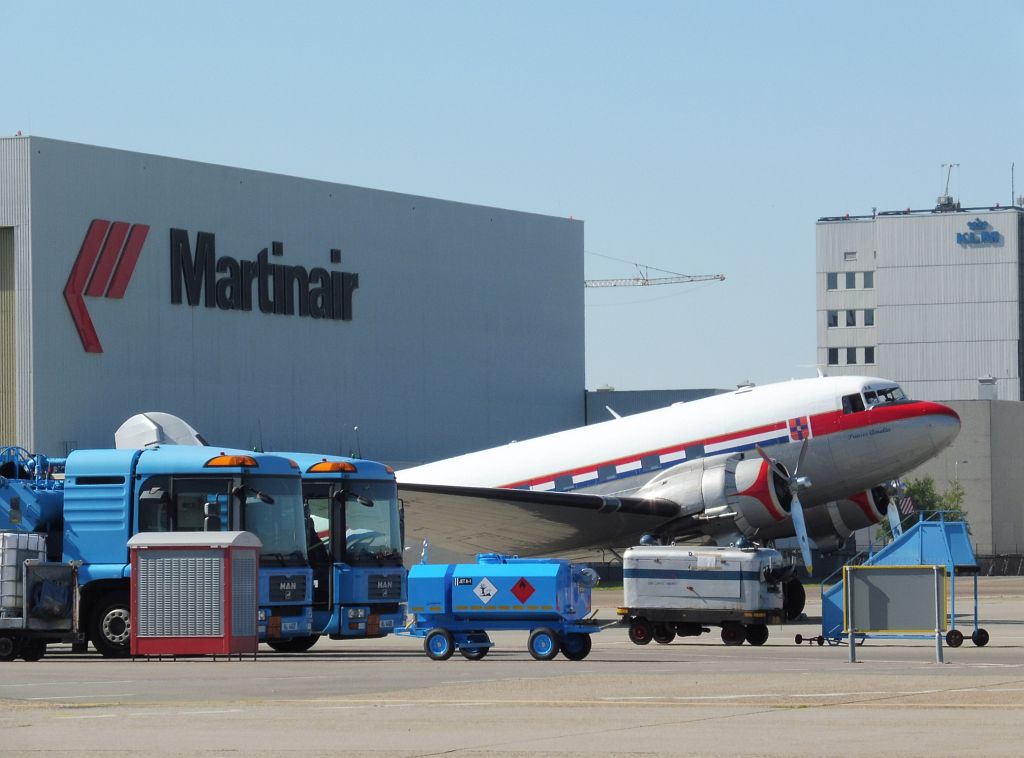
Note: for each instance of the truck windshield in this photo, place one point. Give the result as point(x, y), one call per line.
point(279, 524)
point(371, 520)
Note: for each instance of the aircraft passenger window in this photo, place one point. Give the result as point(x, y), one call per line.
point(852, 403)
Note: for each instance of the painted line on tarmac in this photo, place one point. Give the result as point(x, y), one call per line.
point(81, 697)
point(68, 684)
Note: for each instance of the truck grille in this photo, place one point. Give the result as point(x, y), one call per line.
point(384, 586)
point(285, 587)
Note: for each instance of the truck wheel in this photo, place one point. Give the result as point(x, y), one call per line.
point(576, 646)
point(979, 637)
point(110, 625)
point(543, 644)
point(756, 634)
point(33, 650)
point(439, 645)
point(663, 634)
point(794, 598)
point(295, 644)
point(473, 654)
point(732, 633)
point(640, 631)
point(9, 646)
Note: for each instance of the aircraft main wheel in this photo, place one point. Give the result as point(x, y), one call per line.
point(733, 633)
point(8, 647)
point(33, 650)
point(756, 634)
point(473, 654)
point(576, 646)
point(295, 644)
point(439, 645)
point(799, 639)
point(110, 625)
point(543, 644)
point(663, 634)
point(979, 637)
point(640, 631)
point(954, 638)
point(794, 598)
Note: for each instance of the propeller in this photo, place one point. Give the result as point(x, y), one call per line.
point(796, 510)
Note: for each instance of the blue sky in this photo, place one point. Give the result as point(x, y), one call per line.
point(692, 137)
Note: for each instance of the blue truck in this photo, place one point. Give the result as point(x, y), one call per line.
point(355, 542)
point(89, 504)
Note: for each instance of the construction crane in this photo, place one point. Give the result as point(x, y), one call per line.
point(644, 279)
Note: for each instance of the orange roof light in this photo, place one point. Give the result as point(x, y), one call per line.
point(332, 467)
point(232, 461)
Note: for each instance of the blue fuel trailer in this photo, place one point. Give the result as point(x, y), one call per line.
point(455, 605)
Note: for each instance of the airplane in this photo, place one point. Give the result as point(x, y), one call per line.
point(814, 458)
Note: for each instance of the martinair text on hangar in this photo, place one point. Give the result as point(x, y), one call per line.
point(228, 284)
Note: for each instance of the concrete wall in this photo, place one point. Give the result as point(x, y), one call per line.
point(467, 325)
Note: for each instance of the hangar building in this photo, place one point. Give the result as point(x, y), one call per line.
point(274, 311)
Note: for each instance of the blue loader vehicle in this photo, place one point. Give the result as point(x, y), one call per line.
point(89, 504)
point(355, 541)
point(455, 605)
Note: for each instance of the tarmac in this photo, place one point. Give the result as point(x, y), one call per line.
point(694, 696)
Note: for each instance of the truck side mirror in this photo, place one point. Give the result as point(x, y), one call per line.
point(211, 517)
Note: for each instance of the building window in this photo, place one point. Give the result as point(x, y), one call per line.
point(869, 319)
point(851, 356)
point(869, 280)
point(850, 256)
point(851, 318)
point(869, 355)
point(832, 280)
point(832, 319)
point(851, 280)
point(833, 356)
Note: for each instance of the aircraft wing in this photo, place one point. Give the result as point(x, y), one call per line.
point(459, 522)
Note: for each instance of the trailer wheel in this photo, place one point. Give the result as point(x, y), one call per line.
point(663, 634)
point(295, 644)
point(954, 638)
point(756, 634)
point(979, 637)
point(473, 654)
point(33, 650)
point(543, 644)
point(439, 645)
point(732, 633)
point(9, 646)
point(576, 646)
point(640, 631)
point(110, 625)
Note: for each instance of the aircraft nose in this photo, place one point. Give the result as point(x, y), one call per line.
point(944, 424)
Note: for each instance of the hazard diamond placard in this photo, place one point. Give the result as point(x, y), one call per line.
point(522, 590)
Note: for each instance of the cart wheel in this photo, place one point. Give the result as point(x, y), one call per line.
point(756, 634)
point(543, 644)
point(799, 639)
point(473, 654)
point(8, 647)
point(954, 638)
point(663, 634)
point(33, 650)
point(576, 646)
point(820, 640)
point(732, 633)
point(980, 637)
point(640, 631)
point(439, 645)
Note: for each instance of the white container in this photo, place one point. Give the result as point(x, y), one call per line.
point(15, 549)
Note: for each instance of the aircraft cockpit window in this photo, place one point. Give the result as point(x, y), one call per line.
point(883, 396)
point(853, 403)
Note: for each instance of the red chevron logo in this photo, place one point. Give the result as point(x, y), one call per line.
point(103, 268)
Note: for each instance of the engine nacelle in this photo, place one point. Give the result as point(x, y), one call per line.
point(746, 486)
point(831, 524)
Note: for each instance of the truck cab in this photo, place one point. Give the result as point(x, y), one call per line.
point(355, 542)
